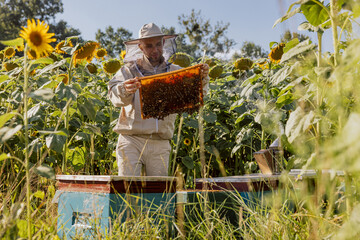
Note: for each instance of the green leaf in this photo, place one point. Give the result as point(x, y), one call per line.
point(92, 129)
point(271, 44)
point(3, 78)
point(6, 132)
point(308, 27)
point(44, 60)
point(285, 99)
point(289, 45)
point(210, 117)
point(39, 194)
point(298, 122)
point(192, 123)
point(44, 94)
point(56, 142)
point(32, 112)
point(288, 15)
point(61, 133)
point(49, 84)
point(13, 42)
point(78, 157)
point(244, 115)
point(302, 47)
point(51, 67)
point(45, 171)
point(315, 12)
point(188, 162)
point(91, 95)
point(237, 104)
point(64, 91)
point(3, 156)
point(6, 117)
point(88, 109)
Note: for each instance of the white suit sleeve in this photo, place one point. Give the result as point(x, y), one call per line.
point(117, 93)
point(205, 85)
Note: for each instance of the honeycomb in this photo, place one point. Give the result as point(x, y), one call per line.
point(172, 92)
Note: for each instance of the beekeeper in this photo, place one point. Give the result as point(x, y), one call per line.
point(143, 146)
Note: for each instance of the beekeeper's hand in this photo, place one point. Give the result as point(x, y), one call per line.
point(204, 70)
point(132, 85)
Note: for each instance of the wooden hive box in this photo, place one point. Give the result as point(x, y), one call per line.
point(88, 205)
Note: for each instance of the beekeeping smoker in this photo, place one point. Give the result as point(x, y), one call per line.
point(143, 146)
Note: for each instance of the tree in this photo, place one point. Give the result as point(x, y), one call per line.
point(113, 41)
point(62, 30)
point(181, 44)
point(14, 14)
point(203, 36)
point(250, 50)
point(288, 35)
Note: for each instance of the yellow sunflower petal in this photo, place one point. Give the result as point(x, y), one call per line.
point(37, 37)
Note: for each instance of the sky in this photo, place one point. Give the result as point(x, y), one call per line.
point(249, 20)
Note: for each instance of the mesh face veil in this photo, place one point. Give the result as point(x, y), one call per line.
point(133, 52)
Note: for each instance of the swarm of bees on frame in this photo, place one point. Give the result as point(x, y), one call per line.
point(173, 92)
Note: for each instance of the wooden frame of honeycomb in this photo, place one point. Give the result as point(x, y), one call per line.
point(172, 92)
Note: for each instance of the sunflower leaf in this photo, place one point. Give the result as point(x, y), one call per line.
point(45, 171)
point(298, 49)
point(292, 43)
point(51, 67)
point(13, 42)
point(7, 132)
point(188, 162)
point(44, 94)
point(287, 15)
point(56, 142)
point(315, 12)
point(6, 117)
point(43, 60)
point(3, 78)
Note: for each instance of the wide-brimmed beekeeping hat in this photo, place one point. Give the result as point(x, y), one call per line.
point(149, 30)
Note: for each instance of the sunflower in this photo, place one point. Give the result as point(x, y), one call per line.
point(9, 52)
point(32, 54)
point(187, 142)
point(91, 67)
point(101, 53)
point(263, 65)
point(85, 51)
point(10, 66)
point(20, 48)
point(243, 64)
point(2, 55)
point(64, 78)
point(61, 45)
point(111, 66)
point(37, 37)
point(122, 54)
point(276, 53)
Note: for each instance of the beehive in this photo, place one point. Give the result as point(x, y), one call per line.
point(171, 92)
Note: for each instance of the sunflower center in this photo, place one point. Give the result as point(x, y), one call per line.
point(36, 38)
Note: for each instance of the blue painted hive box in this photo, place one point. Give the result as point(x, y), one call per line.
point(89, 205)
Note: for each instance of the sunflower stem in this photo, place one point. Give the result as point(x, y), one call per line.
point(27, 162)
point(172, 170)
point(64, 163)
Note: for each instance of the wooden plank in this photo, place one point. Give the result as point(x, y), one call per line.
point(115, 184)
point(265, 161)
